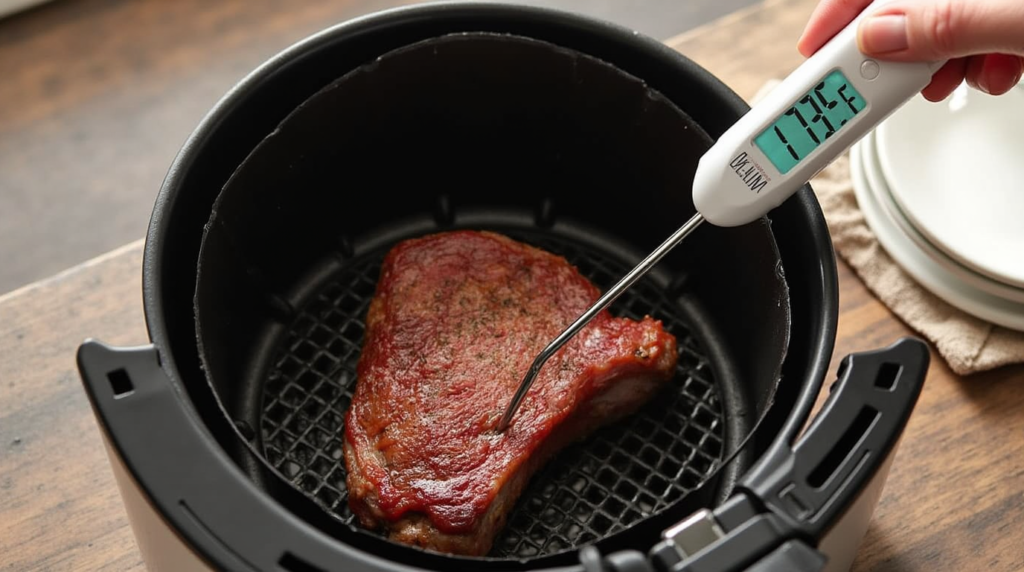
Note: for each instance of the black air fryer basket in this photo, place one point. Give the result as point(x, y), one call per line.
point(569, 134)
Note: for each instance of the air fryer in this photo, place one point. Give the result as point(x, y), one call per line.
point(570, 134)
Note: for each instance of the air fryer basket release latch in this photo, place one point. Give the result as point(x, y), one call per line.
point(806, 506)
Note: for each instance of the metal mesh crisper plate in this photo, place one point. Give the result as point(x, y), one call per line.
point(620, 475)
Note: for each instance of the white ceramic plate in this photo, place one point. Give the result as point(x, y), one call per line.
point(919, 265)
point(953, 168)
point(879, 187)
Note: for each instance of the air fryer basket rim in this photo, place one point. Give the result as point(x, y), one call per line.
point(173, 202)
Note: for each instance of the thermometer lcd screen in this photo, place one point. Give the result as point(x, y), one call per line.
point(815, 117)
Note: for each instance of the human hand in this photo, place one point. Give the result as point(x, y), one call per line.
point(983, 40)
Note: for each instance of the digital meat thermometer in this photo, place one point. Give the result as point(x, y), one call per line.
point(832, 100)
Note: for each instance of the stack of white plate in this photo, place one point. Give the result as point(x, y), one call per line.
point(942, 187)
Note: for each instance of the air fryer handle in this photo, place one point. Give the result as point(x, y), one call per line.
point(807, 506)
point(849, 441)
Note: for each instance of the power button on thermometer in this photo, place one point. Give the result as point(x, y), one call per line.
point(869, 69)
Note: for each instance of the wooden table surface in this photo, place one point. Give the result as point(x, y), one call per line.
point(954, 499)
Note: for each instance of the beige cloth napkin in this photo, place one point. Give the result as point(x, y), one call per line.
point(968, 344)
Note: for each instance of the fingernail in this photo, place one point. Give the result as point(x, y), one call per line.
point(975, 83)
point(999, 73)
point(983, 85)
point(884, 34)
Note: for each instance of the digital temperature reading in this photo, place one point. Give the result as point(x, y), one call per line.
point(815, 117)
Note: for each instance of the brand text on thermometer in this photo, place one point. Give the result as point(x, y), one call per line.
point(750, 172)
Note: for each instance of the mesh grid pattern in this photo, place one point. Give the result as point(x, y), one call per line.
point(620, 475)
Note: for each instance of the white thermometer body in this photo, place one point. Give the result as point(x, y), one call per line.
point(829, 103)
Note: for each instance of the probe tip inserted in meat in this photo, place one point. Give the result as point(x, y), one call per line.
point(603, 302)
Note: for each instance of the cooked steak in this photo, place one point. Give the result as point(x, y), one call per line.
point(455, 322)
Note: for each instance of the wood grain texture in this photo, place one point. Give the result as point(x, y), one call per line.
point(98, 96)
point(59, 505)
point(954, 501)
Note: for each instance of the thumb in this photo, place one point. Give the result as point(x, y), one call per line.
point(932, 30)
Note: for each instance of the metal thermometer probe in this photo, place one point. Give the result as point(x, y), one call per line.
point(825, 106)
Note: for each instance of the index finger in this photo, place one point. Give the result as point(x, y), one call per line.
point(828, 18)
